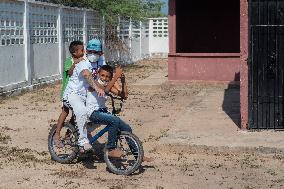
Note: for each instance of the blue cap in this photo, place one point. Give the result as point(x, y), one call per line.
point(94, 45)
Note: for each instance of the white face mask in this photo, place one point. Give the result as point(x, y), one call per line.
point(92, 57)
point(103, 83)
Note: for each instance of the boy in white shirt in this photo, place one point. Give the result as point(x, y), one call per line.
point(97, 110)
point(82, 78)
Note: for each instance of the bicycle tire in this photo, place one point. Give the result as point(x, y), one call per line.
point(64, 158)
point(138, 158)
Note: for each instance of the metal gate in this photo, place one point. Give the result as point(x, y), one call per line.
point(266, 64)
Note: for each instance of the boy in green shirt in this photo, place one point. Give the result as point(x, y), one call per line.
point(65, 78)
point(76, 49)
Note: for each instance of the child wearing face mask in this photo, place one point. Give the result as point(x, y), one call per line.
point(95, 55)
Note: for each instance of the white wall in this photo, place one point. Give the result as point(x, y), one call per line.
point(12, 65)
point(34, 40)
point(35, 36)
point(158, 37)
point(144, 39)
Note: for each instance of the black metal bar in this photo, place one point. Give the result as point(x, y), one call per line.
point(266, 64)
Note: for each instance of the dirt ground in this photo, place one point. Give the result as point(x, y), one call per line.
point(25, 121)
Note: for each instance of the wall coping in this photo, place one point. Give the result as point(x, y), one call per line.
point(204, 55)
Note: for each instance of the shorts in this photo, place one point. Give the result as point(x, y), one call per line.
point(66, 105)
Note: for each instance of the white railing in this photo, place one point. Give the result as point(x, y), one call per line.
point(34, 40)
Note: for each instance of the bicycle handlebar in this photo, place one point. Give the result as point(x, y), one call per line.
point(114, 110)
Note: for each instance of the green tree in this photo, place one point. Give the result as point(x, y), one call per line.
point(111, 9)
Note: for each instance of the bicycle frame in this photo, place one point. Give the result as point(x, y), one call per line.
point(99, 134)
point(106, 128)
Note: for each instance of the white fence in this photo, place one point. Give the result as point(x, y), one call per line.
point(144, 40)
point(34, 40)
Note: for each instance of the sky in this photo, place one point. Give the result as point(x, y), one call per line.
point(165, 9)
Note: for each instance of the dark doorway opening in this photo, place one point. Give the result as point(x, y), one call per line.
point(208, 26)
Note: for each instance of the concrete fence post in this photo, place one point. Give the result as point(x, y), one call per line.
point(60, 39)
point(118, 32)
point(130, 36)
point(85, 33)
point(103, 29)
point(26, 35)
point(140, 40)
point(150, 36)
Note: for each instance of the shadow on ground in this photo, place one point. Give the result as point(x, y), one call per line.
point(231, 103)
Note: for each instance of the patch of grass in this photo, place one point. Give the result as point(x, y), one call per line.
point(4, 138)
point(271, 172)
point(159, 187)
point(70, 173)
point(249, 161)
point(25, 155)
point(185, 167)
point(249, 187)
point(71, 184)
point(14, 98)
point(6, 128)
point(151, 137)
point(278, 180)
point(215, 166)
point(116, 187)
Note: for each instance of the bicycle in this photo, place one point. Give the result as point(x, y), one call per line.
point(127, 142)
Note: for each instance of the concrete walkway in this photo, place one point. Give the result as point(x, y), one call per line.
point(155, 79)
point(211, 120)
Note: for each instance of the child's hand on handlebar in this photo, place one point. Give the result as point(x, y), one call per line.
point(122, 78)
point(118, 72)
point(100, 92)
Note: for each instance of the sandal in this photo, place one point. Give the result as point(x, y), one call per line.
point(57, 142)
point(85, 148)
point(115, 153)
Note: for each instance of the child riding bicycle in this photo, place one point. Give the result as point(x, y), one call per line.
point(97, 110)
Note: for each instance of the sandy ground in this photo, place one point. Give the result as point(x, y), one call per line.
point(153, 112)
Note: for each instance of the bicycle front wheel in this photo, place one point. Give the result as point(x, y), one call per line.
point(69, 137)
point(133, 155)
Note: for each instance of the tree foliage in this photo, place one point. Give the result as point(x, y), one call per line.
point(112, 9)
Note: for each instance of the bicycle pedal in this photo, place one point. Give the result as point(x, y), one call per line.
point(84, 151)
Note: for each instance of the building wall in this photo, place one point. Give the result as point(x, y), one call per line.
point(244, 39)
point(205, 68)
point(199, 66)
point(225, 67)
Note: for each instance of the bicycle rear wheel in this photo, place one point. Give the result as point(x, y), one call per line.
point(69, 137)
point(132, 158)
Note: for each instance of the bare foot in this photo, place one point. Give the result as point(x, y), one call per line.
point(57, 142)
point(87, 147)
point(148, 159)
point(116, 153)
